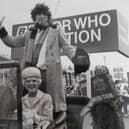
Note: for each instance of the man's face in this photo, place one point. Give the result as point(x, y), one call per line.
point(32, 84)
point(42, 19)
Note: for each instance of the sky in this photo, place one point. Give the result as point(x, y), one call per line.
point(18, 11)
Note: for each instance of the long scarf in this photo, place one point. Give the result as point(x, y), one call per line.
point(31, 50)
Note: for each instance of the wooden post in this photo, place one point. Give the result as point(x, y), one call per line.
point(88, 84)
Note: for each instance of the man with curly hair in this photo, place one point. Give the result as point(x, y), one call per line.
point(43, 44)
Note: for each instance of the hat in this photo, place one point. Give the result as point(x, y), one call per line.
point(81, 61)
point(31, 72)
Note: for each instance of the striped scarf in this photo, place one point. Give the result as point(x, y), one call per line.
point(32, 52)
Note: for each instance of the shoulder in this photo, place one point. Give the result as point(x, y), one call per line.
point(44, 95)
point(54, 29)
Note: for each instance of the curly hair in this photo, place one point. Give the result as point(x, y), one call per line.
point(40, 8)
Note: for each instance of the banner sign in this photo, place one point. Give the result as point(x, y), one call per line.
point(123, 35)
point(96, 32)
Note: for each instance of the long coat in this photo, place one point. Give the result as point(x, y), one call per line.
point(57, 43)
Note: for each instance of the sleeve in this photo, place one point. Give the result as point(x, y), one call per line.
point(64, 43)
point(14, 41)
point(79, 57)
point(11, 41)
point(48, 108)
point(46, 117)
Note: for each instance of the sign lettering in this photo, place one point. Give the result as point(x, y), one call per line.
point(96, 32)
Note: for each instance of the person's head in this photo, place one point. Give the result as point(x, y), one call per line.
point(101, 70)
point(31, 78)
point(41, 14)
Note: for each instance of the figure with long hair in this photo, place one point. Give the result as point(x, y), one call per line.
point(105, 104)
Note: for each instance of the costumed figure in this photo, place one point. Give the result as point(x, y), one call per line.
point(105, 104)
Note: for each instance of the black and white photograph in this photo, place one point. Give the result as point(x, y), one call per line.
point(64, 64)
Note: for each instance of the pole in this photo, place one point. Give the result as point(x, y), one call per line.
point(88, 84)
